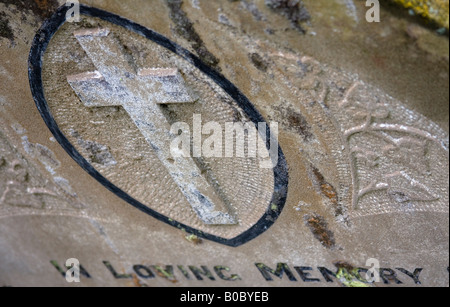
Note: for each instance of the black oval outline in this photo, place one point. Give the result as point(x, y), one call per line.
point(39, 46)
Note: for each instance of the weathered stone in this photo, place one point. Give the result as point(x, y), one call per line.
point(366, 155)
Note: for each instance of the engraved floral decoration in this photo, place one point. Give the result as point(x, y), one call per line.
point(386, 155)
point(22, 187)
point(14, 189)
point(388, 158)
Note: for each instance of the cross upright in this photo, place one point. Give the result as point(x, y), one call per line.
point(140, 92)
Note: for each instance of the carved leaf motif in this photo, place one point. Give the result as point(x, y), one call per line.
point(403, 188)
point(21, 186)
point(392, 155)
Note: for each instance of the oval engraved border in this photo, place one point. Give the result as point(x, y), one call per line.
point(39, 46)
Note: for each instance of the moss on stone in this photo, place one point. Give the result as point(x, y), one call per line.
point(434, 10)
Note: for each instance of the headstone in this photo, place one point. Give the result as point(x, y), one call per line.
point(136, 152)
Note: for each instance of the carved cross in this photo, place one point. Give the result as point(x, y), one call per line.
point(140, 92)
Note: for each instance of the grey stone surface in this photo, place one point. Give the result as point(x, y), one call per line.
point(365, 138)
